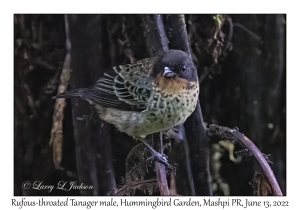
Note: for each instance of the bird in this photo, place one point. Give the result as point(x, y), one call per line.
point(148, 96)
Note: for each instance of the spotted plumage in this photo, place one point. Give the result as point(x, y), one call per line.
point(145, 97)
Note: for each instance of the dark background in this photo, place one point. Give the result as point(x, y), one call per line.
point(241, 61)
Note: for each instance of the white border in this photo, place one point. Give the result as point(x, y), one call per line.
point(215, 6)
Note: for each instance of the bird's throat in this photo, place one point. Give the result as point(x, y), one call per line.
point(170, 85)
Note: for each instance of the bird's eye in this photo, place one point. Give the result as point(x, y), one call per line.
point(183, 69)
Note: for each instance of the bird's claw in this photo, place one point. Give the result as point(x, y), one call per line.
point(162, 158)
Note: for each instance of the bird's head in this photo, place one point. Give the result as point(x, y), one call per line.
point(176, 63)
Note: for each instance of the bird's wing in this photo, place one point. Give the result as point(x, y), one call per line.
point(128, 88)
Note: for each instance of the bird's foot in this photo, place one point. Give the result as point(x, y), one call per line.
point(156, 156)
point(161, 158)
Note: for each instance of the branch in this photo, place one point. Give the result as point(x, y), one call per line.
point(178, 38)
point(194, 127)
point(156, 40)
point(180, 154)
point(199, 151)
point(154, 32)
point(176, 32)
point(222, 133)
point(58, 115)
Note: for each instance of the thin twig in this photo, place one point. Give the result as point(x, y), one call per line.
point(247, 31)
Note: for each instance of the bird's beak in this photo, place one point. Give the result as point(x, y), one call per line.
point(168, 73)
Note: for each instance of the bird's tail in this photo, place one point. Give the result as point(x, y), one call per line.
point(77, 93)
point(83, 93)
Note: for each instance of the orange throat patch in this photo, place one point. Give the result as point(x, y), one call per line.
point(174, 85)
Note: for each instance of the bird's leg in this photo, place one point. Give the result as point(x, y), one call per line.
point(162, 158)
